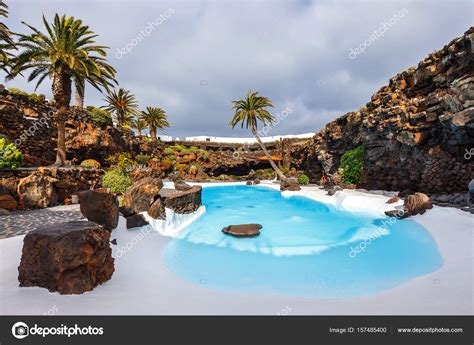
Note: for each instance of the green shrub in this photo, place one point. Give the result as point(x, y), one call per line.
point(122, 162)
point(35, 98)
point(16, 91)
point(10, 156)
point(303, 179)
point(181, 148)
point(285, 170)
point(168, 151)
point(180, 166)
point(352, 164)
point(100, 116)
point(116, 181)
point(90, 164)
point(142, 159)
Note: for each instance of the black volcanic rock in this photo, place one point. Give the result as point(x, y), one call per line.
point(101, 208)
point(70, 257)
point(243, 230)
point(415, 131)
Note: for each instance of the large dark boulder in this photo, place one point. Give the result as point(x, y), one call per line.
point(417, 203)
point(182, 186)
point(182, 201)
point(157, 209)
point(7, 201)
point(136, 221)
point(242, 230)
point(70, 257)
point(139, 197)
point(290, 184)
point(470, 194)
point(332, 190)
point(37, 191)
point(101, 208)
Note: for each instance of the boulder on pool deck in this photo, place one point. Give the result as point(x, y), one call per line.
point(36, 191)
point(182, 186)
point(417, 203)
point(243, 230)
point(101, 208)
point(136, 221)
point(157, 209)
point(182, 201)
point(142, 194)
point(290, 185)
point(70, 257)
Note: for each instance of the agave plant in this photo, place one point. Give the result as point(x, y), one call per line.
point(251, 110)
point(66, 52)
point(155, 118)
point(122, 105)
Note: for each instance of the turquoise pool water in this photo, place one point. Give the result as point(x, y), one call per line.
point(305, 248)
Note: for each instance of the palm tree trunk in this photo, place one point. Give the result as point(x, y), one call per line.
point(79, 99)
point(153, 132)
point(79, 85)
point(120, 118)
point(281, 176)
point(62, 97)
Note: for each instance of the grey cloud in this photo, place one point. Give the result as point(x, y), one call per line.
point(295, 52)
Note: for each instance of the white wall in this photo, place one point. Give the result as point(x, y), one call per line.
point(247, 140)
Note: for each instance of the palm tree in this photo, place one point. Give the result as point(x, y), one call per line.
point(6, 41)
point(123, 105)
point(250, 111)
point(66, 52)
point(139, 125)
point(155, 118)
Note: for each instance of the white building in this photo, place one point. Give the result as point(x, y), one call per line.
point(246, 140)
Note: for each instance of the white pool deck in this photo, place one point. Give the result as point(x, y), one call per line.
point(142, 285)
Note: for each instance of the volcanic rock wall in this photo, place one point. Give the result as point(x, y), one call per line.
point(31, 128)
point(417, 131)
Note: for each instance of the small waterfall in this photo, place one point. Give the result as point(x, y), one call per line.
point(174, 222)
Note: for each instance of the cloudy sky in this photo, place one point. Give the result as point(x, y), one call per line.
point(198, 56)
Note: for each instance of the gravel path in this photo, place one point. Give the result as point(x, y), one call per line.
point(21, 222)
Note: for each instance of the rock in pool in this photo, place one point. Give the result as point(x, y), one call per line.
point(243, 230)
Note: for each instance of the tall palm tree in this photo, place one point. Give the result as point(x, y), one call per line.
point(251, 110)
point(155, 118)
point(6, 41)
point(139, 125)
point(123, 105)
point(67, 51)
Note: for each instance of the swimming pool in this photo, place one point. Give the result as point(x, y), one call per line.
point(305, 248)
